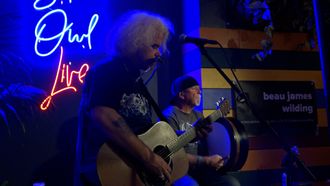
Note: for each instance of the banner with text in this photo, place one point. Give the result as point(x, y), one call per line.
point(288, 104)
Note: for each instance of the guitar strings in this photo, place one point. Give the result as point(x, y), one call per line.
point(164, 151)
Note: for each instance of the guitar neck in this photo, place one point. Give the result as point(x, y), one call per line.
point(182, 140)
point(190, 134)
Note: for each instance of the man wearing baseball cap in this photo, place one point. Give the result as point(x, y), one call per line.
point(181, 115)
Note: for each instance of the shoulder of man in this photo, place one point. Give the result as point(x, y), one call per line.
point(198, 113)
point(103, 64)
point(169, 111)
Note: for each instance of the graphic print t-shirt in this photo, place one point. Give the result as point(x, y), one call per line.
point(113, 84)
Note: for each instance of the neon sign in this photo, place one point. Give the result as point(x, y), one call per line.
point(35, 5)
point(40, 27)
point(63, 79)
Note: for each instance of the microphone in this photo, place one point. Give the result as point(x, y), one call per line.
point(197, 41)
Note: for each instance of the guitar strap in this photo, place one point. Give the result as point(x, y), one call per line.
point(151, 100)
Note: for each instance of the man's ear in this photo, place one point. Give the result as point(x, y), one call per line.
point(181, 95)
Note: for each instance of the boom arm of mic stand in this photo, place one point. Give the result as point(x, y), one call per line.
point(247, 101)
point(232, 85)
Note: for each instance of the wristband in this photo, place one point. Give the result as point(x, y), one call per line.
point(200, 161)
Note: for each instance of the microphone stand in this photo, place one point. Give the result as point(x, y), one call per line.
point(291, 151)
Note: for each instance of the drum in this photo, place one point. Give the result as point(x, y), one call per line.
point(229, 139)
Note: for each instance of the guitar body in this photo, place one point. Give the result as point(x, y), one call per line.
point(113, 171)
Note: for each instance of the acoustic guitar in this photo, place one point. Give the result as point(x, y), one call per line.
point(162, 139)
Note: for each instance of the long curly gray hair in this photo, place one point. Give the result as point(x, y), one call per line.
point(137, 29)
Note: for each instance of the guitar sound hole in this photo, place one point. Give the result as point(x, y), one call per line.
point(164, 153)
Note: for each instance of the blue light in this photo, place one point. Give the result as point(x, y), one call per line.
point(35, 5)
point(41, 25)
point(320, 41)
point(191, 54)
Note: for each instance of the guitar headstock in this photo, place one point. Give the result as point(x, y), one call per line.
point(223, 106)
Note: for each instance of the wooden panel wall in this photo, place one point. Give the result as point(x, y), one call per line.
point(291, 60)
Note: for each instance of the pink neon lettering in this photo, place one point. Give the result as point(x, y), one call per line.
point(59, 84)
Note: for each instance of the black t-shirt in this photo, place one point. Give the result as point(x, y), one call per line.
point(114, 84)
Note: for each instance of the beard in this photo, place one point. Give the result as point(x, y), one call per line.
point(198, 100)
point(147, 65)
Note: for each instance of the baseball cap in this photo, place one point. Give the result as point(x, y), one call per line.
point(182, 83)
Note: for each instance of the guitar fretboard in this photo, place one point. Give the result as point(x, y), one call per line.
point(182, 140)
point(190, 134)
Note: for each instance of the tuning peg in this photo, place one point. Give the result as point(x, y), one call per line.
point(220, 102)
